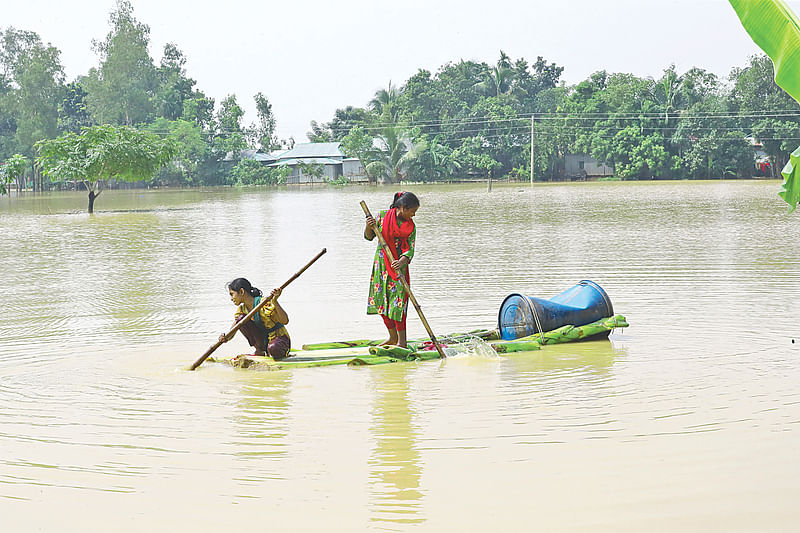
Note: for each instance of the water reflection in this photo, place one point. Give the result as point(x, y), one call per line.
point(395, 464)
point(261, 442)
point(261, 417)
point(567, 389)
point(595, 357)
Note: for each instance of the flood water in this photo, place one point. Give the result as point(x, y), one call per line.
point(688, 420)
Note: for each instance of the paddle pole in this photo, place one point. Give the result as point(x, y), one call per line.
point(406, 286)
point(248, 316)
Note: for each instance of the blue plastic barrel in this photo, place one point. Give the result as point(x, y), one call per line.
point(582, 304)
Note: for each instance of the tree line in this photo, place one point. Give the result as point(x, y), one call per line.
point(467, 119)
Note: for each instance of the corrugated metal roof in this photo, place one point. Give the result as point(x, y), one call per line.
point(251, 154)
point(316, 160)
point(313, 150)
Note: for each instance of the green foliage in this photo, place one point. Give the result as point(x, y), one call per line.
point(174, 87)
point(358, 143)
point(263, 132)
point(37, 76)
point(790, 190)
point(191, 151)
point(393, 136)
point(12, 169)
point(121, 90)
point(72, 111)
point(320, 133)
point(474, 156)
point(341, 180)
point(250, 172)
point(101, 153)
point(432, 160)
point(230, 137)
point(313, 170)
point(776, 30)
point(199, 109)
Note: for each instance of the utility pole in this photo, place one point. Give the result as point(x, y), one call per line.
point(533, 117)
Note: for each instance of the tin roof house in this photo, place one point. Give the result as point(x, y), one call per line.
point(327, 155)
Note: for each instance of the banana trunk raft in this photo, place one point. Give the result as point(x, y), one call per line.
point(370, 352)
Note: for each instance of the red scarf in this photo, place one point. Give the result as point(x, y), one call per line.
point(394, 234)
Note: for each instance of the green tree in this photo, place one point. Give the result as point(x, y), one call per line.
point(199, 109)
point(313, 170)
point(251, 172)
point(39, 79)
point(263, 132)
point(433, 160)
point(191, 151)
point(385, 102)
point(320, 133)
point(101, 153)
point(12, 170)
point(530, 81)
point(72, 111)
point(229, 137)
point(174, 87)
point(471, 154)
point(393, 156)
point(497, 79)
point(755, 93)
point(345, 119)
point(121, 89)
point(552, 136)
point(359, 144)
point(421, 102)
point(8, 123)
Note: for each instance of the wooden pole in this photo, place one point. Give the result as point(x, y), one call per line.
point(255, 310)
point(388, 250)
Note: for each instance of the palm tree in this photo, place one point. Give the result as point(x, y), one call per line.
point(497, 79)
point(396, 151)
point(667, 90)
point(385, 100)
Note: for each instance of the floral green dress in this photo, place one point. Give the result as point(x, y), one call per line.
point(387, 297)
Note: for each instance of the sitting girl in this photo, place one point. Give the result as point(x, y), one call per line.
point(266, 331)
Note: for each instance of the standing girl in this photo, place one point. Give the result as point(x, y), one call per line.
point(266, 331)
point(387, 296)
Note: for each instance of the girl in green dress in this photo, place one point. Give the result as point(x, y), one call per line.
point(387, 296)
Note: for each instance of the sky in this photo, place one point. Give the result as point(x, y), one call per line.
point(310, 57)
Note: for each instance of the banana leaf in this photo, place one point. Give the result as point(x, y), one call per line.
point(397, 352)
point(516, 346)
point(342, 344)
point(775, 28)
point(790, 190)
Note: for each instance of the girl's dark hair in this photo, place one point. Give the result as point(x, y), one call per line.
point(405, 199)
point(241, 283)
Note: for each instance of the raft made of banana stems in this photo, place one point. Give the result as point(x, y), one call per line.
point(371, 352)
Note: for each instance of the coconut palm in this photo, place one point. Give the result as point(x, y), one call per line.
point(385, 100)
point(497, 79)
point(667, 91)
point(396, 150)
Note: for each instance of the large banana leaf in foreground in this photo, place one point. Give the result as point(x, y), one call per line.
point(776, 30)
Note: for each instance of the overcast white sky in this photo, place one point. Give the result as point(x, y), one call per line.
point(310, 57)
